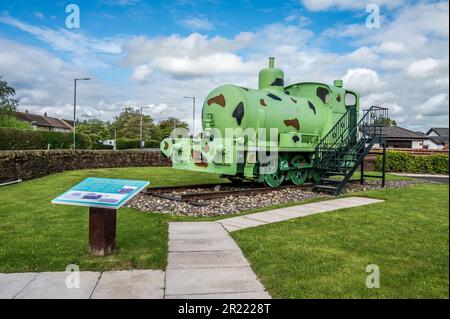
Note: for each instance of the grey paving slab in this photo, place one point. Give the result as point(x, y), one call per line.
point(237, 295)
point(197, 234)
point(206, 259)
point(211, 280)
point(130, 284)
point(323, 207)
point(202, 244)
point(12, 284)
point(289, 213)
point(267, 217)
point(363, 200)
point(196, 230)
point(193, 227)
point(241, 222)
point(52, 285)
point(305, 209)
point(348, 204)
point(231, 228)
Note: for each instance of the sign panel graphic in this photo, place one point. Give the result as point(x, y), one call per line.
point(101, 192)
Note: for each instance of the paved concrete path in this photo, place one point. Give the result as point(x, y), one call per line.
point(203, 262)
point(434, 178)
point(277, 215)
point(135, 284)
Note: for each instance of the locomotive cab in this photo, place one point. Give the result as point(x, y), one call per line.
point(302, 114)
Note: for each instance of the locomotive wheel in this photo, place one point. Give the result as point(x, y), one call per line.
point(298, 176)
point(274, 180)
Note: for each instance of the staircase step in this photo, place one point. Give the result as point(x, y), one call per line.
point(326, 187)
point(336, 173)
point(331, 180)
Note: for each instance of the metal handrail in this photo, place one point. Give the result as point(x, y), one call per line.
point(359, 131)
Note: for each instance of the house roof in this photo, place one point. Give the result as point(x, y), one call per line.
point(394, 132)
point(43, 121)
point(70, 122)
point(442, 140)
point(441, 131)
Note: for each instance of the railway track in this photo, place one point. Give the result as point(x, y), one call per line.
point(210, 191)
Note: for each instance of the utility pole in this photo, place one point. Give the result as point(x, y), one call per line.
point(141, 131)
point(75, 106)
point(140, 134)
point(193, 113)
point(115, 139)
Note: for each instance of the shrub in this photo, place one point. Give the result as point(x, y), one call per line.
point(13, 122)
point(404, 162)
point(125, 143)
point(17, 139)
point(152, 144)
point(100, 146)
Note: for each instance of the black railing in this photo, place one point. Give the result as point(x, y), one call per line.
point(348, 137)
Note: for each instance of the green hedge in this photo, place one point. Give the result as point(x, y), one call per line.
point(152, 144)
point(404, 162)
point(18, 139)
point(99, 146)
point(126, 143)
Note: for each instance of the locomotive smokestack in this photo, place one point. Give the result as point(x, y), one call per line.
point(271, 77)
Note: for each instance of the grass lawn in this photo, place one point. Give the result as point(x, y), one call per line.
point(38, 236)
point(325, 255)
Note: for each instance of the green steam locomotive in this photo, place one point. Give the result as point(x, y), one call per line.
point(268, 134)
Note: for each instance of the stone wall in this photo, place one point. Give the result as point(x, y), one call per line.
point(31, 164)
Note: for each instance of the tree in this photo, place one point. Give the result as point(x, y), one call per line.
point(8, 104)
point(386, 121)
point(128, 124)
point(166, 126)
point(97, 130)
point(8, 107)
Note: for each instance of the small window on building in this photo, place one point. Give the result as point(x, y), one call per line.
point(323, 94)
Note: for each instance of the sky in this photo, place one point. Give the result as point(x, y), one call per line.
point(152, 53)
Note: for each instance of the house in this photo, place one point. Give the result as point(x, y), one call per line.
point(438, 138)
point(44, 122)
point(399, 137)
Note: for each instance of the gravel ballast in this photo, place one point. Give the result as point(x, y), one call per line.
point(236, 204)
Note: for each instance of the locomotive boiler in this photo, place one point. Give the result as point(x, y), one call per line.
point(267, 134)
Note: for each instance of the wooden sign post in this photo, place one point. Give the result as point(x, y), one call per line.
point(103, 196)
point(102, 231)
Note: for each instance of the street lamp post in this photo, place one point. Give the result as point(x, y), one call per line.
point(141, 130)
point(193, 113)
point(75, 105)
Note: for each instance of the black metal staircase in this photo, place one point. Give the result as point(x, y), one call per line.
point(346, 145)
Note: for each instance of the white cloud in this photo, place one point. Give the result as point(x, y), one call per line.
point(213, 64)
point(391, 47)
point(44, 83)
point(85, 49)
point(191, 56)
point(422, 69)
point(321, 5)
point(384, 65)
point(363, 56)
point(436, 105)
point(141, 72)
point(197, 23)
point(121, 2)
point(39, 15)
point(362, 80)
